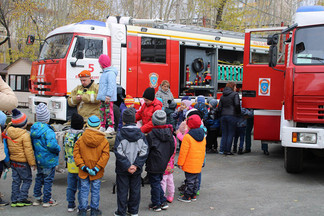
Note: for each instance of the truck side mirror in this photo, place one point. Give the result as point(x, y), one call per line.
point(80, 43)
point(30, 40)
point(273, 39)
point(273, 56)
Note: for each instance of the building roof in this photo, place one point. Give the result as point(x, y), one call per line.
point(3, 70)
point(20, 59)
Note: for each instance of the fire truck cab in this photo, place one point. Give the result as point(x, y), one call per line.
point(286, 90)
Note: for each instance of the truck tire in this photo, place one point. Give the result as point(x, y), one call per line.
point(293, 160)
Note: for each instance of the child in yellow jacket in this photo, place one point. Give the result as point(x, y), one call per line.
point(22, 159)
point(91, 155)
point(191, 157)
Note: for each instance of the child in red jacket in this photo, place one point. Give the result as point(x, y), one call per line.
point(151, 104)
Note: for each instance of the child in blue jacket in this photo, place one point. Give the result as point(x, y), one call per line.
point(201, 107)
point(240, 129)
point(107, 94)
point(47, 156)
point(213, 125)
point(4, 164)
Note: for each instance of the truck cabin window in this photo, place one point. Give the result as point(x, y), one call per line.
point(56, 47)
point(309, 46)
point(259, 50)
point(153, 50)
point(93, 48)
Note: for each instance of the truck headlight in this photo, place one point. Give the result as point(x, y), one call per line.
point(56, 105)
point(301, 137)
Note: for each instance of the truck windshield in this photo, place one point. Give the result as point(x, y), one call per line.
point(309, 46)
point(55, 47)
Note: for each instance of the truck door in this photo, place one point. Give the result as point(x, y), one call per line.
point(262, 85)
point(94, 47)
point(153, 61)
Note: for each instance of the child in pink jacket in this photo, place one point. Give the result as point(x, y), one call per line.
point(167, 183)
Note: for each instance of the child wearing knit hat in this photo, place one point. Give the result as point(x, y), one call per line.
point(47, 154)
point(161, 148)
point(91, 155)
point(201, 107)
point(21, 159)
point(18, 119)
point(213, 127)
point(107, 94)
point(180, 114)
point(73, 180)
point(150, 105)
point(131, 150)
point(191, 157)
point(129, 102)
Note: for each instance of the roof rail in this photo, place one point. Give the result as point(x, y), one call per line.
point(132, 21)
point(199, 30)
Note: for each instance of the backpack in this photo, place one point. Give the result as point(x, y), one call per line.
point(69, 142)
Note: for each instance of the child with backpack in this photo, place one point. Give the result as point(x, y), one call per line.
point(73, 180)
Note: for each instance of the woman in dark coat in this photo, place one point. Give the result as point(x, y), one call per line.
point(229, 108)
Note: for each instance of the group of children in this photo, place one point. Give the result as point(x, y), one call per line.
point(87, 153)
point(35, 150)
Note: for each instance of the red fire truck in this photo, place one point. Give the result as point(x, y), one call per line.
point(286, 89)
point(195, 60)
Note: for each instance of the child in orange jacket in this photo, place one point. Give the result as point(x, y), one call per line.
point(91, 155)
point(191, 157)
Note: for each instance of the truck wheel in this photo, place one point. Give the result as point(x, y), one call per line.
point(293, 160)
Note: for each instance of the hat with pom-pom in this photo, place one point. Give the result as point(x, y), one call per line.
point(18, 119)
point(129, 101)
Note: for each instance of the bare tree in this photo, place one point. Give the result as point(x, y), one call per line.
point(5, 10)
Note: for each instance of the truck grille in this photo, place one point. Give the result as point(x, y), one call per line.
point(309, 109)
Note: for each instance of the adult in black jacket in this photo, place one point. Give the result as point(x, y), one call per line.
point(229, 108)
point(161, 148)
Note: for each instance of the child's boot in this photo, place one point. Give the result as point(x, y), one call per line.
point(170, 199)
point(240, 151)
point(95, 212)
point(82, 213)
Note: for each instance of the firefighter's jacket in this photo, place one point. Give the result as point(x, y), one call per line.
point(89, 105)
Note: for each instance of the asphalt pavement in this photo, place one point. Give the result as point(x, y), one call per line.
point(248, 184)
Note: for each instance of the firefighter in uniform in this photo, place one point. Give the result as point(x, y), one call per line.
point(84, 96)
